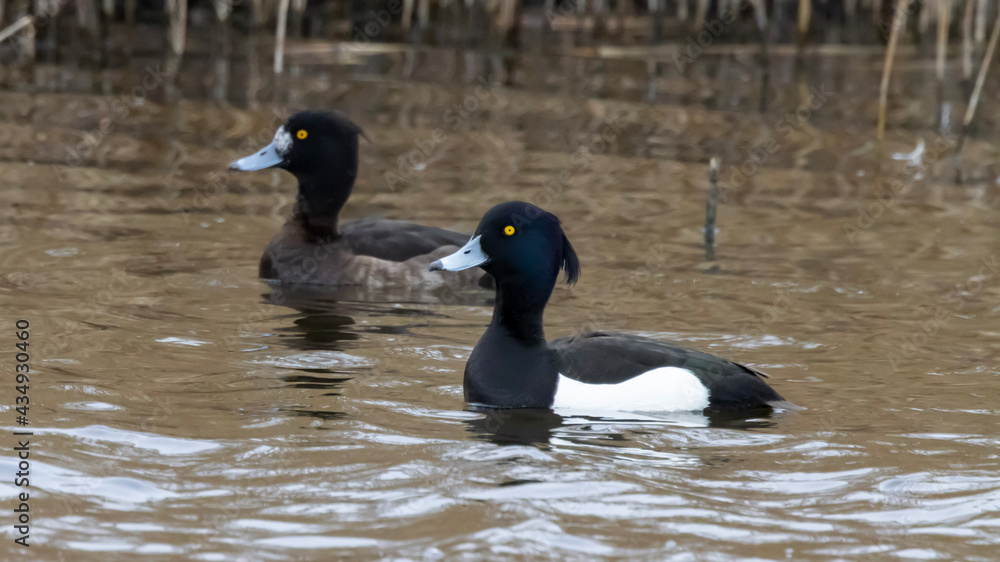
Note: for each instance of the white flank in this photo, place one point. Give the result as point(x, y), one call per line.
point(666, 389)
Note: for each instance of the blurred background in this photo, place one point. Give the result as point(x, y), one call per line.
point(181, 413)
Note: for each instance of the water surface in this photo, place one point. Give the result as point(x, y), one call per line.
point(184, 409)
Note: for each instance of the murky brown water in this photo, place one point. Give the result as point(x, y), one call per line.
point(178, 411)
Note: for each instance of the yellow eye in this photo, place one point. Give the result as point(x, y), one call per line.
point(302, 134)
point(508, 230)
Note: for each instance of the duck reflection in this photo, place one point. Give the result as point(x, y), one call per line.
point(758, 418)
point(319, 330)
point(322, 415)
point(393, 300)
point(327, 315)
point(514, 427)
point(333, 382)
point(537, 427)
point(332, 327)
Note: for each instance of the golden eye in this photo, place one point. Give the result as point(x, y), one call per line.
point(508, 230)
point(302, 134)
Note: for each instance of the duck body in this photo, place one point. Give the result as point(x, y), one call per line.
point(321, 150)
point(652, 375)
point(373, 252)
point(602, 371)
point(513, 366)
point(505, 371)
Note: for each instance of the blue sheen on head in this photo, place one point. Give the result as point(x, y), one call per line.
point(527, 243)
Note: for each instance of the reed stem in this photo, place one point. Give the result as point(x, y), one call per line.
point(944, 19)
point(805, 14)
point(898, 21)
point(407, 19)
point(279, 42)
point(13, 28)
point(177, 10)
point(967, 42)
point(711, 206)
point(298, 12)
point(980, 34)
point(970, 111)
point(701, 11)
point(763, 30)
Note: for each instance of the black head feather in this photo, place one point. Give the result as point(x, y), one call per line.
point(524, 241)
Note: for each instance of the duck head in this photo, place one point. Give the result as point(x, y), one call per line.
point(321, 150)
point(521, 246)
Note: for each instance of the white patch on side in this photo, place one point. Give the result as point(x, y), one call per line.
point(282, 141)
point(666, 389)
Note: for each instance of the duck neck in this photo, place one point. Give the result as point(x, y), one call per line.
point(518, 311)
point(320, 200)
point(512, 365)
